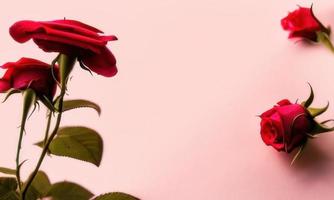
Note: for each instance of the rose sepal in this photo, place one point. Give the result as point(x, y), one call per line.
point(317, 127)
point(325, 30)
point(299, 153)
point(310, 98)
point(314, 112)
point(66, 64)
point(317, 111)
point(324, 33)
point(320, 128)
point(10, 93)
point(29, 100)
point(45, 100)
point(323, 37)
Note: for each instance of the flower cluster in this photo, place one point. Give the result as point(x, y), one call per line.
point(75, 42)
point(73, 38)
point(288, 126)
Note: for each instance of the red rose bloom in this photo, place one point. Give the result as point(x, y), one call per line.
point(303, 24)
point(285, 126)
point(72, 38)
point(29, 73)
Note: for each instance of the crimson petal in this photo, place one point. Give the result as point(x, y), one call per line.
point(103, 63)
point(4, 85)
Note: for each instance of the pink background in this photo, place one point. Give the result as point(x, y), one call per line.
point(179, 120)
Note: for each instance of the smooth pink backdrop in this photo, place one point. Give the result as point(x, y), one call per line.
point(179, 120)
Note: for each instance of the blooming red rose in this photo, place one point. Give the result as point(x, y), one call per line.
point(29, 73)
point(303, 24)
point(285, 126)
point(72, 38)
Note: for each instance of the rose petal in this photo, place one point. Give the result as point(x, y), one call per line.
point(49, 46)
point(103, 63)
point(267, 135)
point(272, 131)
point(75, 37)
point(28, 72)
point(72, 38)
point(284, 102)
point(25, 63)
point(50, 43)
point(4, 85)
point(21, 31)
point(268, 113)
point(72, 24)
point(278, 146)
point(311, 35)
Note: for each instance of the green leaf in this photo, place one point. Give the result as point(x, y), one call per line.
point(41, 183)
point(5, 170)
point(80, 103)
point(67, 190)
point(12, 195)
point(7, 184)
point(40, 186)
point(115, 196)
point(7, 188)
point(309, 100)
point(317, 111)
point(77, 142)
point(32, 193)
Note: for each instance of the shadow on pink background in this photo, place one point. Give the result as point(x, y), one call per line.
point(179, 120)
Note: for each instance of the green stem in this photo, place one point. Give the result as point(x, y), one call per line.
point(29, 99)
point(329, 45)
point(47, 127)
point(23, 122)
point(66, 64)
point(46, 146)
point(325, 40)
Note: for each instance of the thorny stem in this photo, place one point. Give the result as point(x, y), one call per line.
point(46, 146)
point(47, 127)
point(66, 64)
point(29, 99)
point(23, 122)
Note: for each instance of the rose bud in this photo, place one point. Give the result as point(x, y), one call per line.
point(288, 126)
point(29, 73)
point(285, 126)
point(72, 38)
point(303, 24)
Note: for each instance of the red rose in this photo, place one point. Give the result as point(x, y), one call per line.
point(285, 126)
point(29, 73)
point(72, 38)
point(303, 24)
